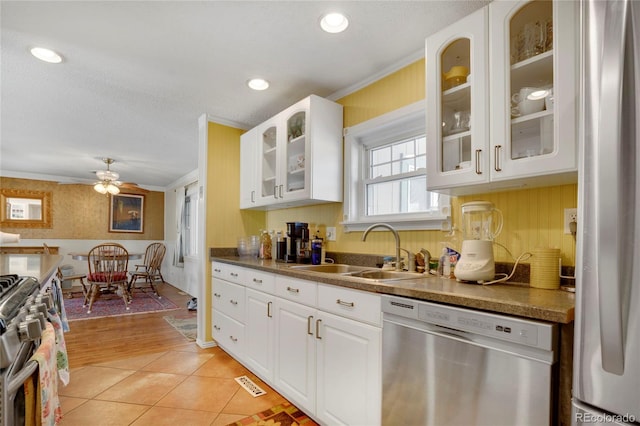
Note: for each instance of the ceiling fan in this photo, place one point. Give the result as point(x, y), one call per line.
point(108, 180)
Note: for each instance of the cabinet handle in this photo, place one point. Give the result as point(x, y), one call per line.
point(233, 339)
point(217, 270)
point(343, 303)
point(215, 327)
point(253, 196)
point(216, 294)
point(318, 329)
point(478, 170)
point(269, 310)
point(257, 281)
point(275, 191)
point(496, 152)
point(293, 290)
point(281, 191)
point(309, 331)
point(233, 302)
point(234, 275)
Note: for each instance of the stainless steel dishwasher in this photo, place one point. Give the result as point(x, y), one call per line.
point(443, 365)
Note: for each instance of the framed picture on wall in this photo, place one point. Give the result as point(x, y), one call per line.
point(126, 213)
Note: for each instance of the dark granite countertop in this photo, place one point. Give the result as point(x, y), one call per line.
point(509, 298)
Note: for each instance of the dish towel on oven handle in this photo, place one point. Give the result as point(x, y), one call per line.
point(58, 303)
point(45, 356)
point(62, 360)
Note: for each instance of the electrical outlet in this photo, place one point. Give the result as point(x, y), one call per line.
point(331, 233)
point(570, 215)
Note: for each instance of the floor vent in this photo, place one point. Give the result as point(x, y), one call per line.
point(249, 386)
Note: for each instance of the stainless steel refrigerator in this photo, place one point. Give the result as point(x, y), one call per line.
point(606, 369)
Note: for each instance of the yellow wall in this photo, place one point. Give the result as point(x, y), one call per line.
point(79, 212)
point(225, 221)
point(533, 217)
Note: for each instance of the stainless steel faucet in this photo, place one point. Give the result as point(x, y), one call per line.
point(395, 234)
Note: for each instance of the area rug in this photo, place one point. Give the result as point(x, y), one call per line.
point(284, 414)
point(188, 327)
point(112, 305)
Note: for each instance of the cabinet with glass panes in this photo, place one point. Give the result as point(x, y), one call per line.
point(299, 158)
point(529, 112)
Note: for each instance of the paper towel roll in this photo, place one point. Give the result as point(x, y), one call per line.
point(7, 238)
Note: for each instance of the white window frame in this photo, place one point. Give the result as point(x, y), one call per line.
point(405, 122)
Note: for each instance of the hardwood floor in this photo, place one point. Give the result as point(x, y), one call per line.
point(107, 339)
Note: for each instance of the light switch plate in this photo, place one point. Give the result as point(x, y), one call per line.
point(331, 233)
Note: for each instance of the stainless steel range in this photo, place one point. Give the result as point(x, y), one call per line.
point(23, 317)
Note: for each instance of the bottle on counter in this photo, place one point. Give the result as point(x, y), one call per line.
point(265, 245)
point(316, 250)
point(444, 267)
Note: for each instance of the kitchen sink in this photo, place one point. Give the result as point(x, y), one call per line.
point(385, 275)
point(331, 268)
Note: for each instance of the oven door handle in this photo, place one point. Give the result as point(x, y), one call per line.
point(18, 380)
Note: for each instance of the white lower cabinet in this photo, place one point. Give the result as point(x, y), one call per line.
point(348, 371)
point(295, 354)
point(229, 334)
point(260, 334)
point(318, 345)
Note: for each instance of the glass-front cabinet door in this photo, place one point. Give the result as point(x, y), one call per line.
point(533, 88)
point(295, 173)
point(283, 154)
point(457, 102)
point(268, 159)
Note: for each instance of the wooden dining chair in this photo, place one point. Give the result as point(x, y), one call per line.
point(108, 265)
point(73, 277)
point(150, 270)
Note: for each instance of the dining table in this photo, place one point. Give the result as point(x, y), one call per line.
point(85, 256)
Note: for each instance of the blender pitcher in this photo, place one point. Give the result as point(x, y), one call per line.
point(481, 221)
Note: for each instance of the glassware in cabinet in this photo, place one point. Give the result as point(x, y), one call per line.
point(531, 76)
point(296, 151)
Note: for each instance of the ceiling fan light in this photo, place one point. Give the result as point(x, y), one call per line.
point(112, 189)
point(107, 175)
point(100, 187)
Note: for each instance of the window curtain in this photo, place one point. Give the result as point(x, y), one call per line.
point(178, 254)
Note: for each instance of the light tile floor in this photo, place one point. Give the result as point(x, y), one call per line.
point(190, 387)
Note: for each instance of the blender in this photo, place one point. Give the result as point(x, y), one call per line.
point(481, 224)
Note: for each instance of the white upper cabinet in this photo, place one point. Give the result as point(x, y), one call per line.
point(298, 157)
point(522, 130)
point(249, 163)
point(457, 103)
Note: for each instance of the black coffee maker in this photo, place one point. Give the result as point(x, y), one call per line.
point(297, 248)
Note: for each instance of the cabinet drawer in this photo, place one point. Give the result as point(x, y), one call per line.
point(359, 305)
point(228, 298)
point(227, 272)
point(229, 333)
point(301, 291)
point(262, 281)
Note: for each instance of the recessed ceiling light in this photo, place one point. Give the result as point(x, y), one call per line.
point(46, 55)
point(334, 22)
point(258, 84)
